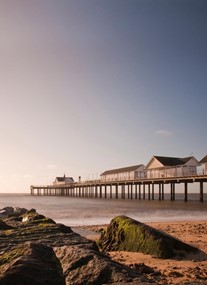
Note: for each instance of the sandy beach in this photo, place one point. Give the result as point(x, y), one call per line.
point(191, 269)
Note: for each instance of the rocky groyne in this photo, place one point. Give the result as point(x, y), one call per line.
point(35, 250)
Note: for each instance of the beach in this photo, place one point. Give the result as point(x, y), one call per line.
point(191, 269)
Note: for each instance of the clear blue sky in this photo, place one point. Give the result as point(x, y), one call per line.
point(91, 85)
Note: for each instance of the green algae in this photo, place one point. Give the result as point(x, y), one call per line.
point(8, 256)
point(126, 234)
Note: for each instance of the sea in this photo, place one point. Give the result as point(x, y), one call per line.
point(74, 211)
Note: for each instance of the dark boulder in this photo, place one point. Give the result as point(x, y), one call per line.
point(31, 263)
point(127, 234)
point(89, 267)
point(14, 211)
point(4, 226)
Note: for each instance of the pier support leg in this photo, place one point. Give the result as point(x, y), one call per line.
point(131, 190)
point(149, 192)
point(201, 192)
point(123, 191)
point(100, 194)
point(172, 191)
point(143, 191)
point(163, 192)
point(139, 191)
point(136, 191)
point(110, 191)
point(160, 185)
point(153, 191)
point(105, 191)
point(116, 191)
point(186, 191)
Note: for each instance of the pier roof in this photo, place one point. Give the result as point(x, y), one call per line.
point(123, 169)
point(170, 161)
point(64, 178)
point(204, 159)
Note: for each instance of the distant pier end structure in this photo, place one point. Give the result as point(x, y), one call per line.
point(153, 181)
point(63, 180)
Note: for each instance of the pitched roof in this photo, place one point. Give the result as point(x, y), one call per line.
point(172, 161)
point(120, 170)
point(62, 179)
point(204, 159)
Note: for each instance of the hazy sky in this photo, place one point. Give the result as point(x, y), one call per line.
point(91, 85)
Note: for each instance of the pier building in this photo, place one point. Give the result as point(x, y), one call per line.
point(125, 173)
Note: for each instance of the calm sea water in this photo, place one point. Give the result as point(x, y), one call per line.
point(79, 211)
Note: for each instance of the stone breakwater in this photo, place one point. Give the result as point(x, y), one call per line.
point(35, 250)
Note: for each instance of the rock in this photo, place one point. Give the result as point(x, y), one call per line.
point(19, 211)
point(4, 226)
point(127, 234)
point(33, 217)
point(31, 263)
point(85, 266)
point(38, 228)
point(12, 213)
point(27, 255)
point(3, 213)
point(142, 268)
point(175, 274)
point(7, 211)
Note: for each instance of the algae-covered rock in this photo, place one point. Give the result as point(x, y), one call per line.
point(31, 263)
point(127, 234)
point(33, 217)
point(27, 256)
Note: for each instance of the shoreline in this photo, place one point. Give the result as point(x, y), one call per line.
point(191, 269)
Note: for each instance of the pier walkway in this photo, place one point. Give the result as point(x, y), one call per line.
point(123, 189)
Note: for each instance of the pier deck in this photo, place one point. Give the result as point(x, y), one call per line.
point(123, 189)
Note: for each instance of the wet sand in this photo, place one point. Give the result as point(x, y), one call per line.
point(191, 269)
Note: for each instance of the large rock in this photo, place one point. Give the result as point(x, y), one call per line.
point(87, 267)
point(32, 226)
point(127, 234)
point(31, 263)
point(27, 257)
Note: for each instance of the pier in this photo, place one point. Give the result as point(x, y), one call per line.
point(123, 189)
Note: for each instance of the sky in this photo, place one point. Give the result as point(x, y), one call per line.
point(92, 85)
